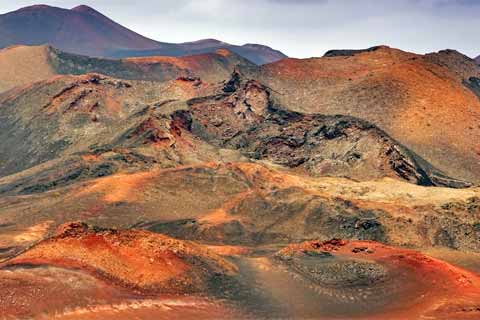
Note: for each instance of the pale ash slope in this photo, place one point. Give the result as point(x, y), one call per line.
point(21, 65)
point(250, 204)
point(428, 103)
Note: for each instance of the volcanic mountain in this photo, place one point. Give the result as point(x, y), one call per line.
point(430, 103)
point(23, 65)
point(206, 186)
point(83, 30)
point(183, 190)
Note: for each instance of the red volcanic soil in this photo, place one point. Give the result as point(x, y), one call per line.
point(85, 272)
point(443, 291)
point(56, 293)
point(30, 292)
point(150, 263)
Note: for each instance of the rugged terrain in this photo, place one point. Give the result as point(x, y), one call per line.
point(99, 36)
point(207, 187)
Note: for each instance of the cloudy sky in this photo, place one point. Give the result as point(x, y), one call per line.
point(300, 28)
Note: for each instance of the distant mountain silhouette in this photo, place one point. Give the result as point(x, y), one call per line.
point(83, 30)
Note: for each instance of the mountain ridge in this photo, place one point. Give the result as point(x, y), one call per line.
point(84, 30)
point(22, 65)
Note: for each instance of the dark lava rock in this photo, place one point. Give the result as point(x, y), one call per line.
point(349, 52)
point(248, 120)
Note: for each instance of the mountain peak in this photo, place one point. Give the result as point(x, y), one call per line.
point(36, 7)
point(209, 41)
point(206, 43)
point(84, 8)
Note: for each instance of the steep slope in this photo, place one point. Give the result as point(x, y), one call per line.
point(83, 30)
point(22, 65)
point(428, 103)
point(43, 24)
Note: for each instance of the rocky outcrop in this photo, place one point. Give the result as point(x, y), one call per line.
point(244, 117)
point(349, 52)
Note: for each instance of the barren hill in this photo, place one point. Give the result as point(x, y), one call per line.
point(429, 103)
point(209, 187)
point(114, 274)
